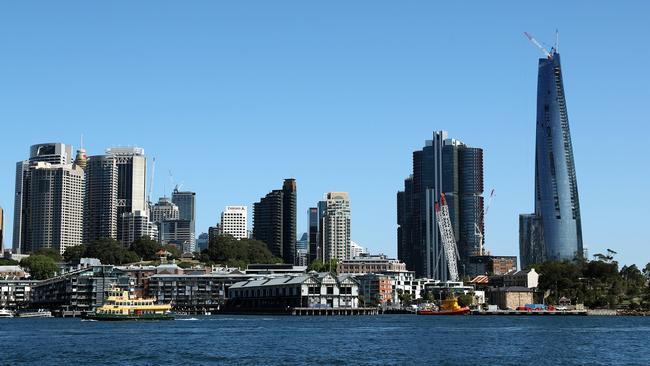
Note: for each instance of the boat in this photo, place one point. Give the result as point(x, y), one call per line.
point(119, 305)
point(40, 313)
point(4, 313)
point(448, 307)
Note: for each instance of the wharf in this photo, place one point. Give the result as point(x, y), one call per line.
point(530, 313)
point(333, 311)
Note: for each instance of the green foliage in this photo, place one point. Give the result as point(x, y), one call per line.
point(40, 267)
point(597, 283)
point(74, 254)
point(146, 248)
point(174, 253)
point(465, 300)
point(49, 252)
point(320, 266)
point(404, 297)
point(110, 251)
point(8, 262)
point(229, 251)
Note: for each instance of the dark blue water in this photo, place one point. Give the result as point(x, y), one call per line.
point(378, 340)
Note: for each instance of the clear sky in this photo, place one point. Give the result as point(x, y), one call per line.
point(232, 97)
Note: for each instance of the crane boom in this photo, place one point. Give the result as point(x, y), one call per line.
point(538, 45)
point(447, 236)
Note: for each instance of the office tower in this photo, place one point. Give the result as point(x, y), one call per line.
point(81, 160)
point(202, 242)
point(336, 227)
point(186, 202)
point(100, 219)
point(56, 206)
point(136, 225)
point(213, 233)
point(164, 209)
point(313, 248)
point(357, 250)
point(54, 153)
point(234, 221)
point(446, 166)
point(177, 233)
point(554, 228)
point(131, 181)
point(274, 221)
point(2, 230)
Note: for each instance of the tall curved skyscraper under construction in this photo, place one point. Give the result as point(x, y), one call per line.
point(554, 231)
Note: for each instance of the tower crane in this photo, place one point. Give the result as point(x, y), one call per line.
point(448, 239)
point(478, 232)
point(548, 54)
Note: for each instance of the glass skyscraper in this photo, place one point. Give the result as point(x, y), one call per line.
point(554, 227)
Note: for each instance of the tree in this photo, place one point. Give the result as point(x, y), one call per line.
point(40, 267)
point(75, 253)
point(49, 252)
point(465, 300)
point(110, 251)
point(229, 251)
point(8, 262)
point(173, 251)
point(146, 248)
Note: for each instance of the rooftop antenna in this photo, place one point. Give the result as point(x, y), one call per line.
point(538, 45)
point(557, 40)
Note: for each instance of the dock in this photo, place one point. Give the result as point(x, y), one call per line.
point(530, 313)
point(334, 311)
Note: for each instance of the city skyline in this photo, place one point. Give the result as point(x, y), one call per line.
point(383, 110)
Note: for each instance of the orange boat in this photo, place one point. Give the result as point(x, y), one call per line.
point(448, 307)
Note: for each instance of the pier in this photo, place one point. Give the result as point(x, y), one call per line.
point(334, 311)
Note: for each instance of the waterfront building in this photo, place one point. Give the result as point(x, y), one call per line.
point(446, 166)
point(510, 297)
point(274, 221)
point(525, 278)
point(186, 202)
point(314, 248)
point(56, 207)
point(375, 290)
point(336, 226)
point(100, 215)
point(370, 264)
point(275, 269)
point(554, 230)
point(234, 222)
point(490, 264)
point(131, 182)
point(79, 290)
point(312, 290)
point(15, 292)
point(53, 153)
point(164, 209)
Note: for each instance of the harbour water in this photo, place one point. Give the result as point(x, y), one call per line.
point(360, 340)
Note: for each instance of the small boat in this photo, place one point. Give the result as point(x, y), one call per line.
point(120, 306)
point(4, 313)
point(35, 314)
point(448, 307)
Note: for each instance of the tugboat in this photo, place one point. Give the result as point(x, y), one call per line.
point(448, 307)
point(120, 306)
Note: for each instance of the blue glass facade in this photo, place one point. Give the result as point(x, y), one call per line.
point(557, 208)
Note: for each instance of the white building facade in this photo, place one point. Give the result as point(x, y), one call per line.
point(336, 226)
point(234, 221)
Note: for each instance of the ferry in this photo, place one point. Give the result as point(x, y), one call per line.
point(35, 314)
point(120, 306)
point(448, 307)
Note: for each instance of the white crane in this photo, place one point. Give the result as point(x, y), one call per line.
point(447, 236)
point(478, 232)
point(548, 54)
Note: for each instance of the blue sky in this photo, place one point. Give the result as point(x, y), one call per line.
point(232, 97)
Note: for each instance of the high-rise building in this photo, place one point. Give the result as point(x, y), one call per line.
point(554, 229)
point(336, 227)
point(274, 221)
point(446, 166)
point(2, 230)
point(313, 248)
point(357, 250)
point(56, 207)
point(186, 202)
point(164, 209)
point(136, 225)
point(202, 242)
point(177, 233)
point(54, 153)
point(100, 219)
point(131, 182)
point(234, 221)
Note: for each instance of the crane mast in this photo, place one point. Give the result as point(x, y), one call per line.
point(448, 239)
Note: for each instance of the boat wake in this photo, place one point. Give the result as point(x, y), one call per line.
point(186, 319)
point(88, 320)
